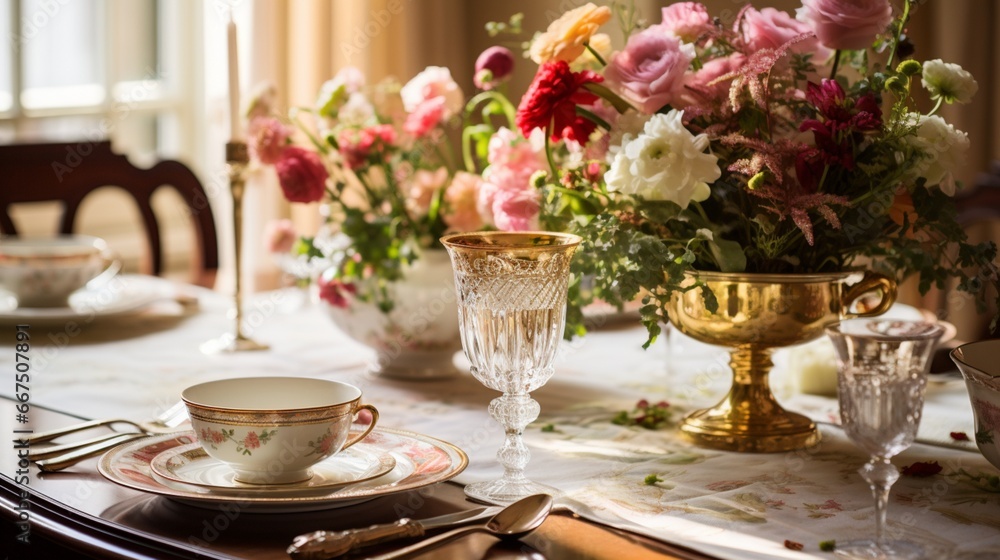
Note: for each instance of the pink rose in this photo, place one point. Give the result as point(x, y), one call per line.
point(650, 71)
point(516, 210)
point(687, 20)
point(846, 24)
point(279, 236)
point(513, 160)
point(267, 138)
point(493, 66)
point(425, 117)
point(770, 28)
point(433, 82)
point(419, 190)
point(301, 174)
point(698, 85)
point(461, 197)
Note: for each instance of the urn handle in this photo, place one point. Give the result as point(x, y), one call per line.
point(871, 282)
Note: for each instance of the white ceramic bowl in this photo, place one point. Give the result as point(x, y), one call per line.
point(270, 430)
point(979, 363)
point(44, 271)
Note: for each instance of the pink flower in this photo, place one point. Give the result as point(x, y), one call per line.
point(770, 28)
point(425, 117)
point(335, 292)
point(461, 197)
point(419, 190)
point(251, 441)
point(267, 138)
point(650, 71)
point(687, 20)
point(699, 84)
point(846, 24)
point(280, 236)
point(493, 66)
point(434, 82)
point(301, 174)
point(358, 145)
point(513, 160)
point(516, 209)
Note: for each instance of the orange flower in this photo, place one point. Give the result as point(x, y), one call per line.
point(566, 37)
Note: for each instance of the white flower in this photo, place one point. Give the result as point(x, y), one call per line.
point(433, 82)
point(358, 111)
point(948, 81)
point(941, 149)
point(335, 92)
point(665, 162)
point(626, 128)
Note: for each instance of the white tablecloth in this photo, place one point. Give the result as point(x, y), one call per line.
point(726, 504)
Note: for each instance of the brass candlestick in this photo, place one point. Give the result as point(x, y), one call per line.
point(237, 159)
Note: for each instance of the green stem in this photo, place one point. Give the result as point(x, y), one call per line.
point(590, 116)
point(595, 54)
point(548, 153)
point(836, 65)
point(899, 32)
point(611, 97)
point(937, 106)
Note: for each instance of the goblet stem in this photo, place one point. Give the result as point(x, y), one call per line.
point(514, 413)
point(880, 475)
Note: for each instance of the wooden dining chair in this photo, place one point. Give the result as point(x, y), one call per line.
point(69, 172)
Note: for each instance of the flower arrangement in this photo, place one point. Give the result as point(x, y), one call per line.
point(380, 156)
point(768, 144)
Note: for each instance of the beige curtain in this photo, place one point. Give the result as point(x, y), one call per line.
point(301, 43)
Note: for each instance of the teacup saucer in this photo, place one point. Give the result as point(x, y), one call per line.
point(189, 465)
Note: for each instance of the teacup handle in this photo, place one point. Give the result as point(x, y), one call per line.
point(367, 431)
point(870, 282)
point(112, 266)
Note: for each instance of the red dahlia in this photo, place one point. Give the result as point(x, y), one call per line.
point(553, 97)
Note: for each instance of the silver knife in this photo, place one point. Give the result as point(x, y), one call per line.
point(67, 460)
point(319, 545)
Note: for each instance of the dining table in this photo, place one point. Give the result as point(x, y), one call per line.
point(621, 490)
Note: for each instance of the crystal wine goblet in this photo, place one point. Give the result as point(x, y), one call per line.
point(881, 382)
point(512, 310)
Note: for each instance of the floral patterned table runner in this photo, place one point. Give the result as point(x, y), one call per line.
point(725, 504)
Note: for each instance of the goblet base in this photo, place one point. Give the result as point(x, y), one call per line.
point(228, 343)
point(890, 550)
point(506, 492)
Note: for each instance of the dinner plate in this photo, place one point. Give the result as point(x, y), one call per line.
point(420, 461)
point(189, 465)
point(124, 294)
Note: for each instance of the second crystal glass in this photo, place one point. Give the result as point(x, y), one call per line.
point(512, 311)
point(881, 382)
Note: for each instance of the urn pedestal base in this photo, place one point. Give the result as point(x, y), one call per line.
point(753, 314)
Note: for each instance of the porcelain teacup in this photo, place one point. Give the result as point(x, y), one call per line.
point(979, 363)
point(44, 271)
point(270, 430)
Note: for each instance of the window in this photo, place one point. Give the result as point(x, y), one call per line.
point(102, 69)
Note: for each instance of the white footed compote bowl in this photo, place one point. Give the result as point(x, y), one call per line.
point(44, 271)
point(881, 380)
point(512, 312)
point(270, 430)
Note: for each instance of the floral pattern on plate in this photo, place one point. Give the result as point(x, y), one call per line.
point(420, 461)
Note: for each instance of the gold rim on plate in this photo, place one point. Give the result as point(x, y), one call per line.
point(420, 461)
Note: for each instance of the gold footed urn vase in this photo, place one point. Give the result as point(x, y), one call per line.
point(758, 313)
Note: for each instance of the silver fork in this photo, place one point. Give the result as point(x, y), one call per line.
point(166, 422)
point(59, 457)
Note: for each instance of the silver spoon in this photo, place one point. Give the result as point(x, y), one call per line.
point(512, 522)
